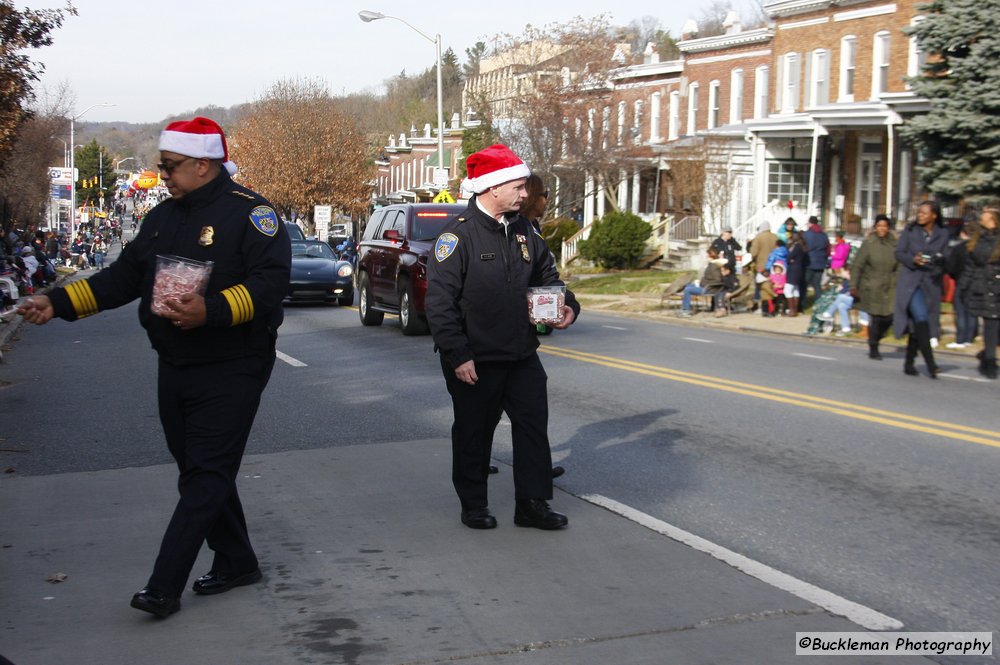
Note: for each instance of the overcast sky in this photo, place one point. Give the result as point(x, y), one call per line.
point(154, 59)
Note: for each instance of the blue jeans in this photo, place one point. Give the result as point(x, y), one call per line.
point(842, 304)
point(918, 307)
point(966, 325)
point(691, 290)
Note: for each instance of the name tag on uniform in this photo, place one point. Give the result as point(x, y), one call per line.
point(487, 257)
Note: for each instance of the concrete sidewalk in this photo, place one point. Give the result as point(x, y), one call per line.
point(366, 562)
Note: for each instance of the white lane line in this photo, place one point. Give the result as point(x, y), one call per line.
point(699, 339)
point(614, 328)
point(290, 360)
point(809, 355)
point(859, 614)
point(963, 378)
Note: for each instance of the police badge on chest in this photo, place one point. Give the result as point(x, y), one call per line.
point(205, 239)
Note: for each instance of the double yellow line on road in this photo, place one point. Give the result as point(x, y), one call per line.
point(846, 409)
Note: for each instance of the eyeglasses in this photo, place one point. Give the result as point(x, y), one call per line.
point(169, 167)
point(545, 193)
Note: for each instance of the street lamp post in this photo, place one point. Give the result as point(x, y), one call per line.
point(368, 17)
point(123, 159)
point(72, 166)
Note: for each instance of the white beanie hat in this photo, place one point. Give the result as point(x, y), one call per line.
point(494, 166)
point(200, 138)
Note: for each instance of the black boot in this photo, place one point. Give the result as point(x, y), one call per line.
point(911, 355)
point(873, 351)
point(924, 344)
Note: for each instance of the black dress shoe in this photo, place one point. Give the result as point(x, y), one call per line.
point(536, 513)
point(479, 518)
point(557, 471)
point(154, 602)
point(213, 582)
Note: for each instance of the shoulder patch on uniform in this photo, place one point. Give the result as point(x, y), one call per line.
point(265, 220)
point(446, 244)
point(243, 195)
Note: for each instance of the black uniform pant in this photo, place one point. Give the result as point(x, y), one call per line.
point(519, 388)
point(207, 412)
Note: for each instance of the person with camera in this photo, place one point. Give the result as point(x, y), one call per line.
point(920, 251)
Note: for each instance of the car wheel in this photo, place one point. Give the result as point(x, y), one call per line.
point(369, 317)
point(410, 322)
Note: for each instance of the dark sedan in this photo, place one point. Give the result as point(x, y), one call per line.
point(317, 274)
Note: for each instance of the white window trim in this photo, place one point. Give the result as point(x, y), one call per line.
point(913, 60)
point(790, 84)
point(654, 117)
point(846, 42)
point(637, 122)
point(820, 68)
point(736, 92)
point(621, 122)
point(881, 50)
point(674, 121)
point(714, 108)
point(692, 119)
point(761, 81)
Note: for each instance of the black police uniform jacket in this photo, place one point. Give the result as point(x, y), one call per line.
point(477, 293)
point(221, 222)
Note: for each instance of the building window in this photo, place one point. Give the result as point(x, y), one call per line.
point(819, 85)
point(880, 64)
point(736, 97)
point(918, 57)
point(621, 122)
point(591, 128)
point(654, 117)
point(790, 83)
point(760, 89)
point(848, 57)
point(692, 125)
point(714, 113)
point(787, 180)
point(673, 127)
point(637, 124)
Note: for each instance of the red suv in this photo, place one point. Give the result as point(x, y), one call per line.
point(392, 262)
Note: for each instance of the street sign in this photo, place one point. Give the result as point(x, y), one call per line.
point(322, 215)
point(444, 196)
point(440, 177)
point(61, 176)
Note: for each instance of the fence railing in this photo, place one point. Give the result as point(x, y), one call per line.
point(570, 248)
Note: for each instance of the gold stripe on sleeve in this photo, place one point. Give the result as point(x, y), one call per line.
point(240, 303)
point(82, 298)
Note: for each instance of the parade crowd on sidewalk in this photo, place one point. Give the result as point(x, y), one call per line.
point(888, 281)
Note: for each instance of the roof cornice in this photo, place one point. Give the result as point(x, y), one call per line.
point(782, 8)
point(748, 37)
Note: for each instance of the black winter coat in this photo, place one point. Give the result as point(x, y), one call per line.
point(980, 278)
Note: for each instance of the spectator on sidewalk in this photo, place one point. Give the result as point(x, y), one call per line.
point(841, 305)
point(839, 253)
point(727, 246)
point(786, 230)
point(760, 248)
point(730, 284)
point(779, 280)
point(874, 281)
point(966, 323)
point(710, 282)
point(797, 259)
point(980, 284)
point(917, 312)
point(818, 248)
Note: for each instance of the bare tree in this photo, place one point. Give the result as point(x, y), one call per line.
point(298, 149)
point(561, 117)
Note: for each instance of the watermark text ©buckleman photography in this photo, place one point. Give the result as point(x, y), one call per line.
point(893, 644)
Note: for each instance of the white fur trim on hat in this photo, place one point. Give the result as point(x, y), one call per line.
point(200, 138)
point(499, 177)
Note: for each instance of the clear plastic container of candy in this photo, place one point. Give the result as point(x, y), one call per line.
point(175, 276)
point(545, 304)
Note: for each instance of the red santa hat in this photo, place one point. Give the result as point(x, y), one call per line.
point(200, 138)
point(494, 166)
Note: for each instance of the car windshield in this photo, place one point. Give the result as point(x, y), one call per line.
point(312, 250)
point(427, 225)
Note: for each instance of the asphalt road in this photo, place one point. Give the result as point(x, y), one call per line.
point(809, 458)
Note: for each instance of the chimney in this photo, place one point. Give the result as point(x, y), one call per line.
point(651, 54)
point(732, 23)
point(690, 30)
point(427, 130)
point(456, 120)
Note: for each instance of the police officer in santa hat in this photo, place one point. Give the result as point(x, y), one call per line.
point(477, 306)
point(216, 346)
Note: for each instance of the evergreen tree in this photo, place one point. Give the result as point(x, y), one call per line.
point(959, 139)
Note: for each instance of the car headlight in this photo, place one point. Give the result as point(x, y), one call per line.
point(345, 271)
